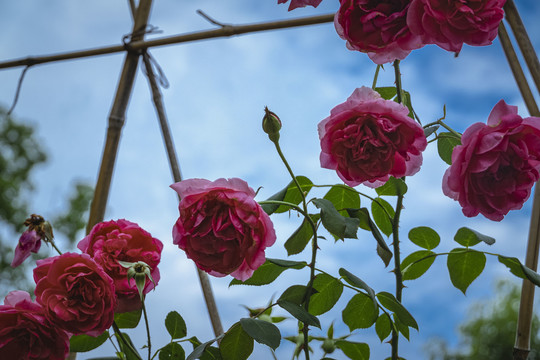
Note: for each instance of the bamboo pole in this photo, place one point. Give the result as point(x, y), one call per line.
point(139, 44)
point(523, 330)
point(523, 40)
point(116, 120)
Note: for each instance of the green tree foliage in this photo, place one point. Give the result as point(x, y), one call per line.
point(74, 219)
point(490, 330)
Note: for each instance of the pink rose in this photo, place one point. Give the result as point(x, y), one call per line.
point(378, 28)
point(26, 333)
point(366, 139)
point(123, 240)
point(450, 23)
point(29, 242)
point(221, 227)
point(497, 164)
point(76, 294)
point(300, 3)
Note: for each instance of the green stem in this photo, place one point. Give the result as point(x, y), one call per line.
point(397, 269)
point(147, 329)
point(376, 77)
point(55, 247)
point(398, 82)
point(123, 339)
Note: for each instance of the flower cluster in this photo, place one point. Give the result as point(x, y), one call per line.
point(75, 293)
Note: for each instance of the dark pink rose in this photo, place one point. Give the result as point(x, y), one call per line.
point(221, 227)
point(76, 293)
point(26, 332)
point(450, 23)
point(377, 27)
point(368, 139)
point(29, 242)
point(123, 240)
point(300, 3)
point(497, 164)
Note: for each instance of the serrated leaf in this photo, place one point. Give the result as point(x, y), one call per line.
point(84, 343)
point(172, 351)
point(329, 291)
point(299, 313)
point(175, 325)
point(343, 197)
point(402, 328)
point(298, 241)
point(425, 237)
point(236, 344)
point(289, 194)
point(445, 145)
point(287, 263)
point(385, 254)
point(381, 217)
point(464, 266)
point(262, 331)
point(204, 351)
point(128, 320)
point(295, 294)
point(358, 283)
point(268, 272)
point(391, 303)
point(387, 92)
point(468, 237)
point(360, 312)
point(354, 350)
point(383, 327)
point(392, 187)
point(513, 264)
point(337, 224)
point(416, 264)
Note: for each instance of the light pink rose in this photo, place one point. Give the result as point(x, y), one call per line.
point(300, 3)
point(26, 332)
point(494, 169)
point(29, 242)
point(367, 139)
point(110, 241)
point(76, 294)
point(221, 227)
point(450, 23)
point(378, 28)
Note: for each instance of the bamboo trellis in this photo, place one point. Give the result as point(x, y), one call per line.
point(138, 47)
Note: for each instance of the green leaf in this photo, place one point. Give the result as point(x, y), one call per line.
point(408, 103)
point(520, 270)
point(383, 327)
point(204, 351)
point(360, 312)
point(430, 130)
point(128, 320)
point(468, 237)
point(334, 222)
point(329, 291)
point(464, 266)
point(299, 313)
point(416, 264)
point(446, 142)
point(391, 303)
point(358, 283)
point(295, 294)
point(387, 92)
point(172, 351)
point(175, 325)
point(425, 237)
point(262, 331)
point(354, 350)
point(381, 217)
point(343, 196)
point(269, 272)
point(298, 241)
point(84, 343)
point(392, 187)
point(126, 349)
point(236, 344)
point(402, 328)
point(289, 194)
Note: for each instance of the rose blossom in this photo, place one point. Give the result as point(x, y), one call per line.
point(123, 240)
point(368, 139)
point(450, 23)
point(26, 333)
point(300, 3)
point(221, 227)
point(76, 294)
point(494, 169)
point(378, 28)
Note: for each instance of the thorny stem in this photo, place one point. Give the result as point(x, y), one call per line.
point(314, 247)
point(397, 269)
point(398, 82)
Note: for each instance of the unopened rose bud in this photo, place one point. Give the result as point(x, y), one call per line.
point(329, 346)
point(271, 124)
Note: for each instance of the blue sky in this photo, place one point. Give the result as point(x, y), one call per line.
point(218, 90)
